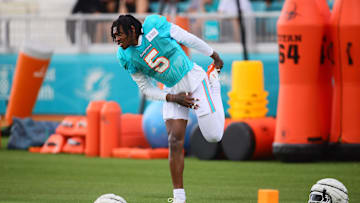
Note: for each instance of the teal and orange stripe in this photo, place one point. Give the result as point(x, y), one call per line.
point(211, 103)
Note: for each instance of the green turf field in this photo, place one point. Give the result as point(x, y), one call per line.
point(29, 177)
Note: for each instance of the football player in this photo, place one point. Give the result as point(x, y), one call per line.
point(152, 50)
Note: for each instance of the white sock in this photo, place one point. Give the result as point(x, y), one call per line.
point(179, 194)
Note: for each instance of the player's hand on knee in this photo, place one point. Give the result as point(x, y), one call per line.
point(184, 99)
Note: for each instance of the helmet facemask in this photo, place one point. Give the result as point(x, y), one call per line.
point(318, 197)
point(328, 190)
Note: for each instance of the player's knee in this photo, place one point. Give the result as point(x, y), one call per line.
point(175, 142)
point(213, 136)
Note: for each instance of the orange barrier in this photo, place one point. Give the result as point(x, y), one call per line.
point(72, 126)
point(132, 134)
point(140, 153)
point(345, 30)
point(81, 126)
point(249, 139)
point(299, 131)
point(123, 152)
point(264, 131)
point(109, 128)
point(335, 59)
point(92, 141)
point(325, 74)
point(34, 149)
point(137, 153)
point(74, 145)
point(54, 144)
point(228, 121)
point(31, 66)
point(159, 153)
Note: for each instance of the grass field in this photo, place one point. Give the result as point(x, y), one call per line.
point(30, 177)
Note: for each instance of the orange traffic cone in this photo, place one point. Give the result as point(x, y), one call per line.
point(132, 134)
point(268, 196)
point(249, 139)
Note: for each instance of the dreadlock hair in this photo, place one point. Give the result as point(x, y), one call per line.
point(126, 21)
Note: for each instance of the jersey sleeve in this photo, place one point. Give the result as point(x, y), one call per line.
point(124, 63)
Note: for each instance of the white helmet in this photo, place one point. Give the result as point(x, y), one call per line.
point(328, 190)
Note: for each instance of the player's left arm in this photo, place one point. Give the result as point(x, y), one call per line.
point(184, 37)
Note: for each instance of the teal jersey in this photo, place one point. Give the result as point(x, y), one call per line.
point(159, 56)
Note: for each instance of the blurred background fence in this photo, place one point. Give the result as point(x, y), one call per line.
point(83, 33)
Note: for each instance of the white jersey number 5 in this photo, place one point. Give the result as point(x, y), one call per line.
point(160, 64)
